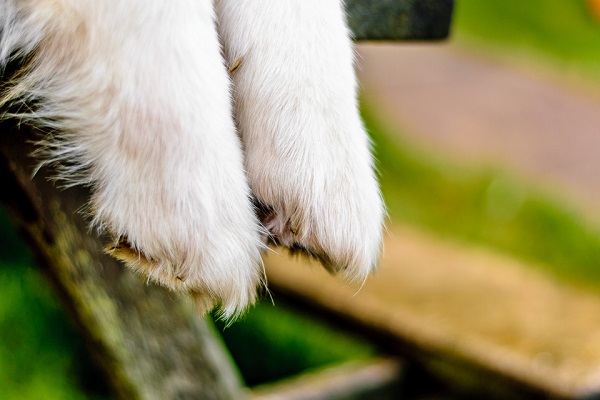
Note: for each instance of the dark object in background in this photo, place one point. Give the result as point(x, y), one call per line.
point(399, 20)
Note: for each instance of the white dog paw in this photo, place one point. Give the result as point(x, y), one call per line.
point(307, 155)
point(139, 95)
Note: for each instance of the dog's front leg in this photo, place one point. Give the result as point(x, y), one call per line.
point(306, 152)
point(138, 96)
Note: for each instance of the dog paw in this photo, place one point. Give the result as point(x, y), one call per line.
point(184, 219)
point(170, 183)
point(139, 98)
point(307, 154)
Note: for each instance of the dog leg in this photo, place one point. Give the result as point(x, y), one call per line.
point(307, 155)
point(139, 97)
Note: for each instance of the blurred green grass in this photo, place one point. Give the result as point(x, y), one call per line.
point(35, 356)
point(561, 34)
point(41, 356)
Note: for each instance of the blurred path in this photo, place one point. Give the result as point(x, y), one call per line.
point(490, 113)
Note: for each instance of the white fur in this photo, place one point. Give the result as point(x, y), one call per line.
point(140, 95)
point(306, 152)
point(136, 99)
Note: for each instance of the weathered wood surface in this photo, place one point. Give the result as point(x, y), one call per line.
point(489, 324)
point(375, 379)
point(399, 19)
point(150, 343)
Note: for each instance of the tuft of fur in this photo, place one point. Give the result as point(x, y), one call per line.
point(139, 96)
point(307, 154)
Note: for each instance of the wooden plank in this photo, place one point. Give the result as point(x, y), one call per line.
point(151, 344)
point(356, 380)
point(399, 19)
point(487, 323)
